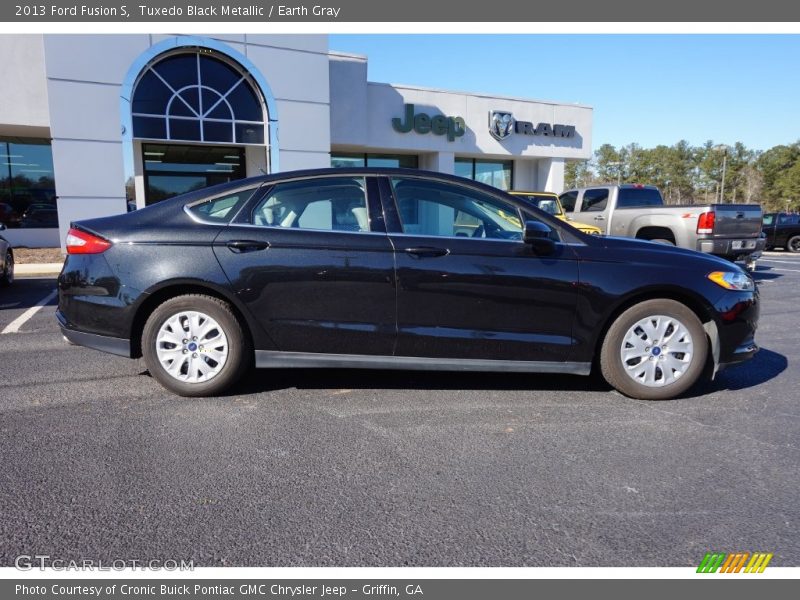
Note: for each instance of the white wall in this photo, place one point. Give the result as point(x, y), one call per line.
point(24, 87)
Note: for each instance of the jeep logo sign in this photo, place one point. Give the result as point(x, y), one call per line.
point(422, 123)
point(502, 124)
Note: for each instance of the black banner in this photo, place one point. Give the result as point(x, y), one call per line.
point(405, 589)
point(498, 11)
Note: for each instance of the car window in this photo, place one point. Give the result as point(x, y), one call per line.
point(768, 219)
point(595, 200)
point(449, 210)
point(568, 200)
point(546, 203)
point(326, 203)
point(223, 208)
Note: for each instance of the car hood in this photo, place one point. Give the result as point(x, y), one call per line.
point(645, 251)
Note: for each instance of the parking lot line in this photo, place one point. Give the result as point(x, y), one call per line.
point(14, 326)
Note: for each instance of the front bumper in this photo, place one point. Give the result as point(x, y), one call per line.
point(112, 345)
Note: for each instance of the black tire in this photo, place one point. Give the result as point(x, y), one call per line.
point(664, 241)
point(7, 277)
point(793, 244)
point(611, 363)
point(239, 356)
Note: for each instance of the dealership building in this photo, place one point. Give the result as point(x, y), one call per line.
point(92, 125)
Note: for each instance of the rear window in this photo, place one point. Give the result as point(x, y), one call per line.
point(222, 208)
point(630, 197)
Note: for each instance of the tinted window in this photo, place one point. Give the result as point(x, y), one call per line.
point(595, 200)
point(629, 197)
point(447, 210)
point(27, 184)
point(330, 203)
point(546, 203)
point(568, 201)
point(223, 208)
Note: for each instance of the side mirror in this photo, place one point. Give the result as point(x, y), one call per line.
point(2, 227)
point(537, 235)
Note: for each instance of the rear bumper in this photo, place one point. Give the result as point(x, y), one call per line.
point(732, 248)
point(112, 345)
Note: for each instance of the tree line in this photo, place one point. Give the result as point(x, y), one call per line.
point(693, 174)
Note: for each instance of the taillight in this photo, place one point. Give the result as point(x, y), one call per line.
point(80, 242)
point(705, 223)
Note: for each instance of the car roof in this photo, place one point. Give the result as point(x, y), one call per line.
point(537, 193)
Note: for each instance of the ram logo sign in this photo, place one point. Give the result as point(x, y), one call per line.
point(502, 124)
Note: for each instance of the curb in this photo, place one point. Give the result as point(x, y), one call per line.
point(21, 270)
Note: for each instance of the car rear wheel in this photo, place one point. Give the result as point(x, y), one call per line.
point(655, 350)
point(793, 244)
point(195, 346)
point(7, 277)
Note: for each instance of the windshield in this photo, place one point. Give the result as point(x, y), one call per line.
point(547, 203)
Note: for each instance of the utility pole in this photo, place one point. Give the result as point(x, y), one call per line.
point(724, 149)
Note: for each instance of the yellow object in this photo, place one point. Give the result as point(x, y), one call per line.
point(549, 203)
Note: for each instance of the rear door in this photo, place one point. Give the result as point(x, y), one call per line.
point(467, 285)
point(311, 260)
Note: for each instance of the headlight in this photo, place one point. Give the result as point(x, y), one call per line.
point(732, 281)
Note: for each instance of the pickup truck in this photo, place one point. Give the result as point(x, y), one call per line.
point(732, 231)
point(782, 230)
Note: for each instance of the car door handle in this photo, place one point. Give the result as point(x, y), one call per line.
point(427, 252)
point(242, 246)
point(599, 218)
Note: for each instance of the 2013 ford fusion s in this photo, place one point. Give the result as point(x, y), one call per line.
point(394, 269)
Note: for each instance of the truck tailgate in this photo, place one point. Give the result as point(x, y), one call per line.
point(737, 220)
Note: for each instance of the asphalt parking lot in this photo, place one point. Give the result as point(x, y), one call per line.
point(356, 468)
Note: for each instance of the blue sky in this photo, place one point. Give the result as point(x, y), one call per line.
point(648, 89)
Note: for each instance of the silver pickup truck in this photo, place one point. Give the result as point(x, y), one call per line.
point(732, 231)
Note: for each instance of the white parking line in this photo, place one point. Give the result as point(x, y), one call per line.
point(14, 326)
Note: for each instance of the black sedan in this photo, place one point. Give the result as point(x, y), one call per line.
point(394, 269)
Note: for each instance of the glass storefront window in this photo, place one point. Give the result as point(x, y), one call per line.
point(197, 98)
point(497, 173)
point(27, 184)
point(392, 161)
point(171, 169)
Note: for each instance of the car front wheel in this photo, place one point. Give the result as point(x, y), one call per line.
point(655, 350)
point(793, 244)
point(195, 346)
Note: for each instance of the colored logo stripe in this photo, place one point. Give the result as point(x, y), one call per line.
point(711, 562)
point(758, 563)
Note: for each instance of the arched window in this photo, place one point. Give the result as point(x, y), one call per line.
point(197, 97)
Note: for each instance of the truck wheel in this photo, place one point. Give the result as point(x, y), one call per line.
point(663, 241)
point(793, 244)
point(195, 346)
point(655, 350)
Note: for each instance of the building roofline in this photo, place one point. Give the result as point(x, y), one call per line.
point(478, 94)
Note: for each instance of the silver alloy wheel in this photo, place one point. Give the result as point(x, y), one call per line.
point(191, 347)
point(656, 351)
